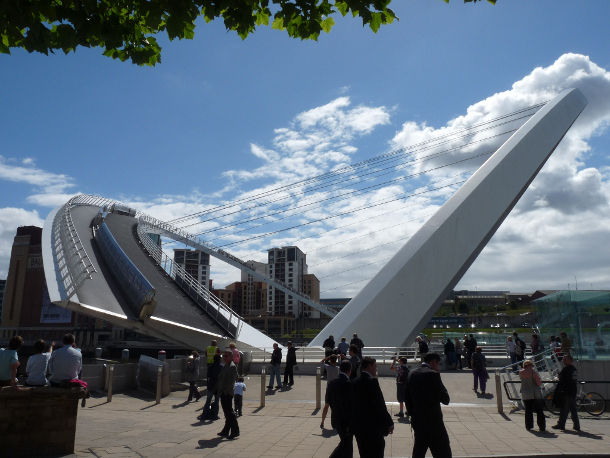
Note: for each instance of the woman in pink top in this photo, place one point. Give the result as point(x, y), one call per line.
point(235, 353)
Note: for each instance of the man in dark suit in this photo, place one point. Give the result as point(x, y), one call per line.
point(338, 398)
point(369, 420)
point(424, 395)
point(225, 388)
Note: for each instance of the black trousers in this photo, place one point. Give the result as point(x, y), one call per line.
point(239, 399)
point(289, 374)
point(345, 449)
point(569, 406)
point(193, 391)
point(370, 445)
point(231, 425)
point(435, 439)
point(531, 406)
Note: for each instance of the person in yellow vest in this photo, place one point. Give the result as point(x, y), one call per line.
point(211, 351)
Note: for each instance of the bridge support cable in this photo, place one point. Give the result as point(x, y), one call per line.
point(154, 226)
point(213, 307)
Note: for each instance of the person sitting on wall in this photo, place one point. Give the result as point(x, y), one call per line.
point(66, 363)
point(38, 364)
point(9, 363)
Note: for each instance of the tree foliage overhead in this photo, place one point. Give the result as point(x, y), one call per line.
point(125, 29)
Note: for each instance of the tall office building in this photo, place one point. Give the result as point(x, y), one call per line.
point(289, 264)
point(196, 263)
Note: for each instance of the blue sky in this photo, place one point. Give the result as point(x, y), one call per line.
point(165, 138)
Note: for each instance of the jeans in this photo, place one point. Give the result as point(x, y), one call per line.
point(193, 391)
point(513, 360)
point(210, 410)
point(275, 372)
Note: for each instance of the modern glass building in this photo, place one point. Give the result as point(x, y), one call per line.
point(583, 315)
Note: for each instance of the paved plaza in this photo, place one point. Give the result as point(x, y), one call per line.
point(289, 426)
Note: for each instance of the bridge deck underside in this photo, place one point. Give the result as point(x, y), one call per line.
point(102, 292)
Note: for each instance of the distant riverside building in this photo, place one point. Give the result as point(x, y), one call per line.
point(27, 309)
point(196, 263)
point(2, 287)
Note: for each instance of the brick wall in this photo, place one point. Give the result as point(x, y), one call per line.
point(38, 421)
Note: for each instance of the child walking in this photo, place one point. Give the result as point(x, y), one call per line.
point(240, 387)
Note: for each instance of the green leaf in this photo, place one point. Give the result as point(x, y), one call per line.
point(278, 24)
point(375, 22)
point(342, 8)
point(327, 24)
point(262, 18)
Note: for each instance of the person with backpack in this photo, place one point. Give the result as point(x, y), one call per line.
point(519, 348)
point(402, 374)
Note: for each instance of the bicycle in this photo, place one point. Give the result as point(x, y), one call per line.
point(592, 402)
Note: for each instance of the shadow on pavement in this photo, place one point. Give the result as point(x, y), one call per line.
point(209, 443)
point(183, 404)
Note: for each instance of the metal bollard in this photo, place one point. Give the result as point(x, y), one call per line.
point(109, 383)
point(125, 355)
point(499, 392)
point(318, 388)
point(263, 386)
point(159, 373)
point(162, 355)
point(98, 353)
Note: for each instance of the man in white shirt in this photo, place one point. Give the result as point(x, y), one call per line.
point(65, 363)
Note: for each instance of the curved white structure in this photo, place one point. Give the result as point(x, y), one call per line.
point(400, 300)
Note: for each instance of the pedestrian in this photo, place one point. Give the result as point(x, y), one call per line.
point(479, 370)
point(329, 346)
point(422, 348)
point(210, 409)
point(240, 387)
point(236, 356)
point(225, 389)
point(338, 397)
point(291, 361)
point(565, 394)
point(566, 344)
point(211, 351)
point(519, 348)
point(276, 361)
point(329, 349)
point(359, 343)
point(332, 371)
point(532, 396)
point(424, 397)
point(510, 350)
point(192, 370)
point(355, 360)
point(343, 347)
point(402, 372)
point(450, 354)
point(38, 363)
point(459, 350)
point(472, 346)
point(9, 363)
point(370, 420)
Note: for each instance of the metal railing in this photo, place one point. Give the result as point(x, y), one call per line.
point(73, 263)
point(230, 321)
point(316, 354)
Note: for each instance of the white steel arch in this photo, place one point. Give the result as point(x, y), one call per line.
point(398, 302)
